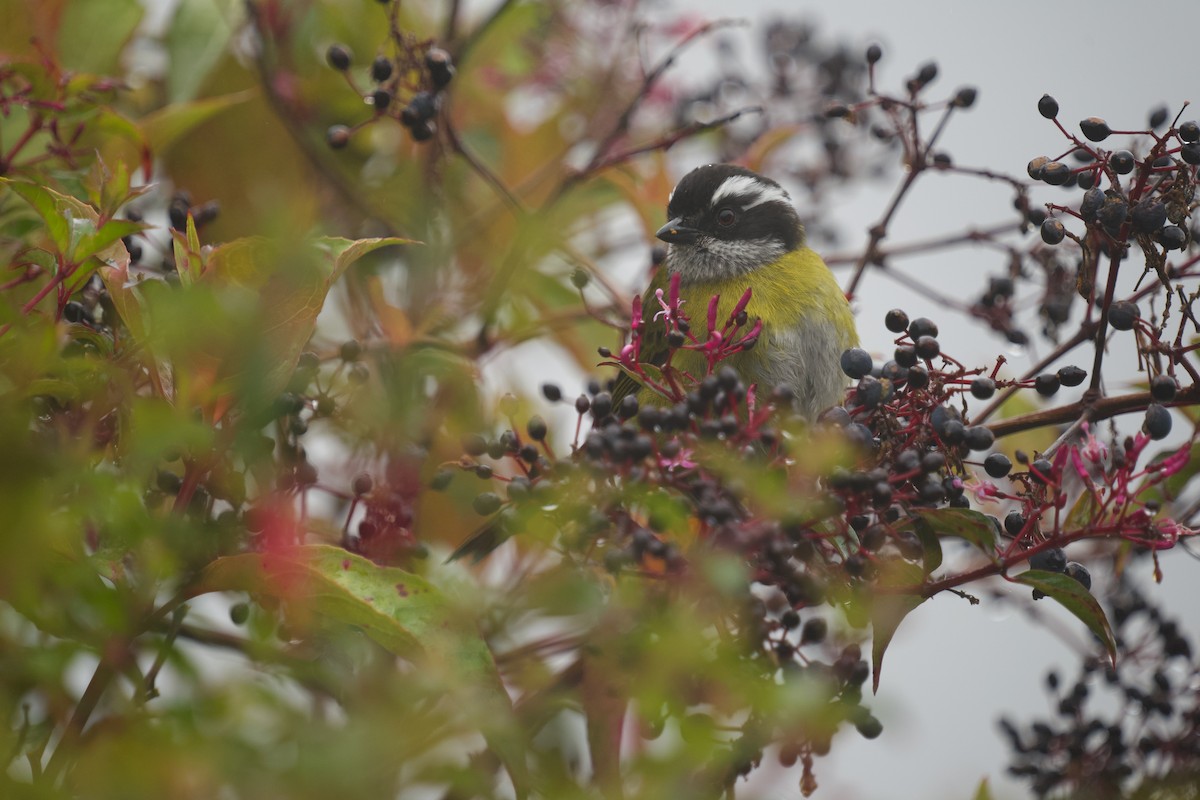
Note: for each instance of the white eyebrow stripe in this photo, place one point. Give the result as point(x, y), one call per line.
point(746, 185)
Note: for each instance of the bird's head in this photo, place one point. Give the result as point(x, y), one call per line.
point(724, 220)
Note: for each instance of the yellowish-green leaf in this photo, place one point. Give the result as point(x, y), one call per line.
point(962, 523)
point(1070, 594)
point(165, 127)
point(890, 609)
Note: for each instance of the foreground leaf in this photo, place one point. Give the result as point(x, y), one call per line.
point(1070, 594)
point(890, 610)
point(402, 612)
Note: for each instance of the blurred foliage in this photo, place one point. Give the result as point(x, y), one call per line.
point(252, 286)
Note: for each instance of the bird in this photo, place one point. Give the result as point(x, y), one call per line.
point(729, 229)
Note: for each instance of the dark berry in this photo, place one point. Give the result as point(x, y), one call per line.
point(1171, 237)
point(966, 97)
point(1046, 384)
point(922, 326)
point(1053, 231)
point(486, 503)
point(421, 108)
point(856, 362)
point(896, 321)
point(441, 480)
point(1042, 470)
point(628, 407)
point(1055, 173)
point(602, 405)
point(1122, 162)
point(1071, 375)
point(74, 312)
point(580, 278)
point(350, 350)
point(1051, 560)
point(1148, 216)
point(997, 465)
point(868, 726)
point(933, 461)
point(168, 482)
point(362, 483)
point(381, 69)
point(874, 53)
point(906, 356)
point(1079, 572)
point(1158, 422)
point(1095, 129)
point(953, 432)
point(582, 404)
point(983, 387)
point(1163, 388)
point(1112, 214)
point(338, 57)
point(381, 99)
point(536, 428)
point(551, 392)
point(441, 69)
point(1189, 131)
point(1158, 117)
point(927, 347)
point(1035, 166)
point(239, 613)
point(979, 438)
point(869, 392)
point(308, 361)
point(1014, 522)
point(918, 377)
point(422, 130)
point(337, 137)
point(926, 73)
point(474, 445)
point(814, 631)
point(1048, 107)
point(1122, 315)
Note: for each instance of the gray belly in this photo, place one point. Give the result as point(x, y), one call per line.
point(806, 358)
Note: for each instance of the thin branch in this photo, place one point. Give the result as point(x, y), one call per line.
point(1097, 409)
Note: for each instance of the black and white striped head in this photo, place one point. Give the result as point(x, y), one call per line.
point(725, 220)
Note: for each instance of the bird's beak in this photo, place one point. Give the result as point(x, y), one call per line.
point(675, 232)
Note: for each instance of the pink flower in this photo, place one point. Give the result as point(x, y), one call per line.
point(984, 491)
point(681, 460)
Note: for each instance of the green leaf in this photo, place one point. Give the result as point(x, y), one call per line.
point(165, 127)
point(196, 40)
point(962, 523)
point(1081, 514)
point(92, 34)
point(346, 251)
point(890, 609)
point(97, 241)
point(402, 612)
point(984, 792)
point(930, 544)
point(54, 209)
point(293, 285)
point(1070, 594)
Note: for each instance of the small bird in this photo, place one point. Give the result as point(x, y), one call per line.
point(730, 229)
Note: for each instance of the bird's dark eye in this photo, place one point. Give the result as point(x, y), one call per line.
point(726, 217)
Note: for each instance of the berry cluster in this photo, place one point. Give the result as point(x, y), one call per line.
point(408, 86)
point(647, 476)
point(1143, 733)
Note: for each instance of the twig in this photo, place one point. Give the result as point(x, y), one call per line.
point(1097, 409)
